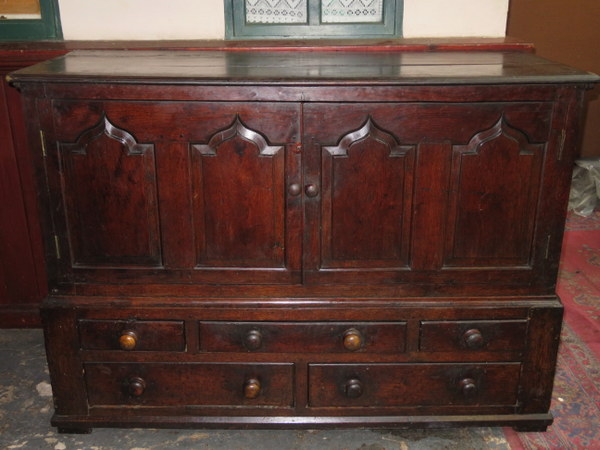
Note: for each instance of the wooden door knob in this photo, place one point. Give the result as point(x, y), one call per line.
point(353, 340)
point(252, 388)
point(311, 190)
point(253, 340)
point(136, 386)
point(468, 386)
point(128, 340)
point(473, 339)
point(353, 388)
point(294, 189)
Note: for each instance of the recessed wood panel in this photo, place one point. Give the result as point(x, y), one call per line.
point(493, 198)
point(109, 193)
point(239, 200)
point(360, 217)
point(366, 199)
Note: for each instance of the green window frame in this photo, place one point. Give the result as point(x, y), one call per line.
point(48, 27)
point(236, 26)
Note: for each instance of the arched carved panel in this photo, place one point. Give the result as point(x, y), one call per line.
point(366, 201)
point(109, 193)
point(105, 127)
point(368, 131)
point(493, 198)
point(239, 200)
point(237, 130)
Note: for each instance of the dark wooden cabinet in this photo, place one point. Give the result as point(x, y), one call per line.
point(302, 239)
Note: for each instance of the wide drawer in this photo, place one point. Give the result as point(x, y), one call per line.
point(295, 337)
point(412, 384)
point(481, 335)
point(142, 335)
point(169, 384)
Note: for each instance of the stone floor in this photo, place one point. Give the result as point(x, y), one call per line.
point(26, 408)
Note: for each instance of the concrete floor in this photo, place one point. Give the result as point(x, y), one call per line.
point(26, 408)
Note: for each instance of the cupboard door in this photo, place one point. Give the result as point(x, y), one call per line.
point(424, 193)
point(186, 191)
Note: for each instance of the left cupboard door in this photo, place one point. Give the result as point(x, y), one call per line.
point(184, 192)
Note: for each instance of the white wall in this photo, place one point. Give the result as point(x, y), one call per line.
point(439, 18)
point(142, 19)
point(203, 19)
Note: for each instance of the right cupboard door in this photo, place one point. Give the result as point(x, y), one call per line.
point(423, 192)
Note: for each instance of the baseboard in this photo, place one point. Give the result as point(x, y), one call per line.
point(21, 316)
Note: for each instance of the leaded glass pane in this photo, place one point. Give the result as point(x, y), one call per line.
point(351, 11)
point(276, 11)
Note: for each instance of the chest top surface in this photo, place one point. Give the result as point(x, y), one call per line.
point(301, 68)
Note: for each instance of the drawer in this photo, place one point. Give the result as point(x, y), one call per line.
point(480, 335)
point(142, 335)
point(169, 384)
point(371, 385)
point(294, 337)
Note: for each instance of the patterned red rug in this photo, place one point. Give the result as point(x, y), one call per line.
point(576, 398)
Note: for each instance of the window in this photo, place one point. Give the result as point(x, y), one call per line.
point(29, 19)
point(312, 18)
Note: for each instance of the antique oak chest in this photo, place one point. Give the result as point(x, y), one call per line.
point(310, 239)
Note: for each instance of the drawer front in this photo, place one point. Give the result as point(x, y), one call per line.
point(374, 337)
point(132, 335)
point(481, 335)
point(168, 384)
point(370, 385)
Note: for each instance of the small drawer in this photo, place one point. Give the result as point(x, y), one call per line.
point(132, 335)
point(294, 337)
point(389, 385)
point(209, 384)
point(480, 335)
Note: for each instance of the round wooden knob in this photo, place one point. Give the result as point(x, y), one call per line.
point(311, 190)
point(294, 189)
point(252, 388)
point(353, 388)
point(128, 340)
point(468, 387)
point(253, 340)
point(353, 340)
point(136, 386)
point(473, 339)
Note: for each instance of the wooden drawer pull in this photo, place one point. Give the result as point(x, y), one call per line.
point(468, 387)
point(353, 388)
point(353, 340)
point(473, 339)
point(252, 388)
point(136, 386)
point(128, 340)
point(253, 340)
